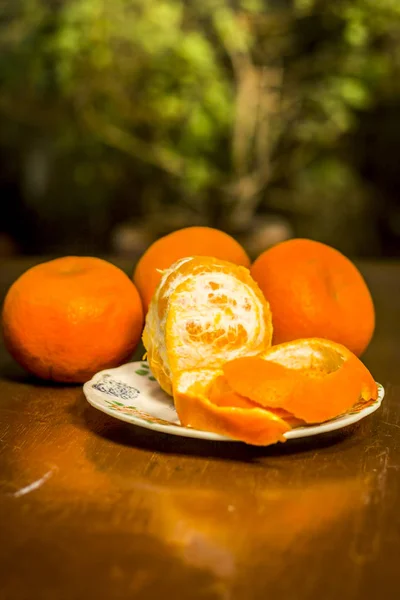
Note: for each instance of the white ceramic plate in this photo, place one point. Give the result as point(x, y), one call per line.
point(130, 393)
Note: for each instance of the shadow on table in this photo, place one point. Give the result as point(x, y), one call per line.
point(12, 372)
point(126, 434)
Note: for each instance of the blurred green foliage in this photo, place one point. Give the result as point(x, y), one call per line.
point(176, 112)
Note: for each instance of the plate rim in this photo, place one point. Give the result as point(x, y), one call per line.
point(182, 431)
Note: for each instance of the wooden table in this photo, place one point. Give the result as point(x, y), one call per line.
point(93, 508)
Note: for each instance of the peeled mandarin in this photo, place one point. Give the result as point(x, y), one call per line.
point(204, 312)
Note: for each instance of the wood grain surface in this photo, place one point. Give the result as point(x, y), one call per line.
point(91, 507)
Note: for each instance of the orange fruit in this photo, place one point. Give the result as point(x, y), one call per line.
point(68, 318)
point(191, 241)
point(205, 311)
point(315, 291)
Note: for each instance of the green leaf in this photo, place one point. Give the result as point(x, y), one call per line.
point(152, 378)
point(354, 92)
point(141, 372)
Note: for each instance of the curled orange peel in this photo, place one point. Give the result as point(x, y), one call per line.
point(313, 379)
point(256, 425)
point(221, 394)
point(257, 400)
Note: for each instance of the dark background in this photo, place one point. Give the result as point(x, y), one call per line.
point(121, 121)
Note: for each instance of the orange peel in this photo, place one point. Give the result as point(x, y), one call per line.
point(313, 379)
point(221, 394)
point(256, 425)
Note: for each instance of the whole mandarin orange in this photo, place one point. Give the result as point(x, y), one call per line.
point(191, 241)
point(315, 291)
point(68, 318)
